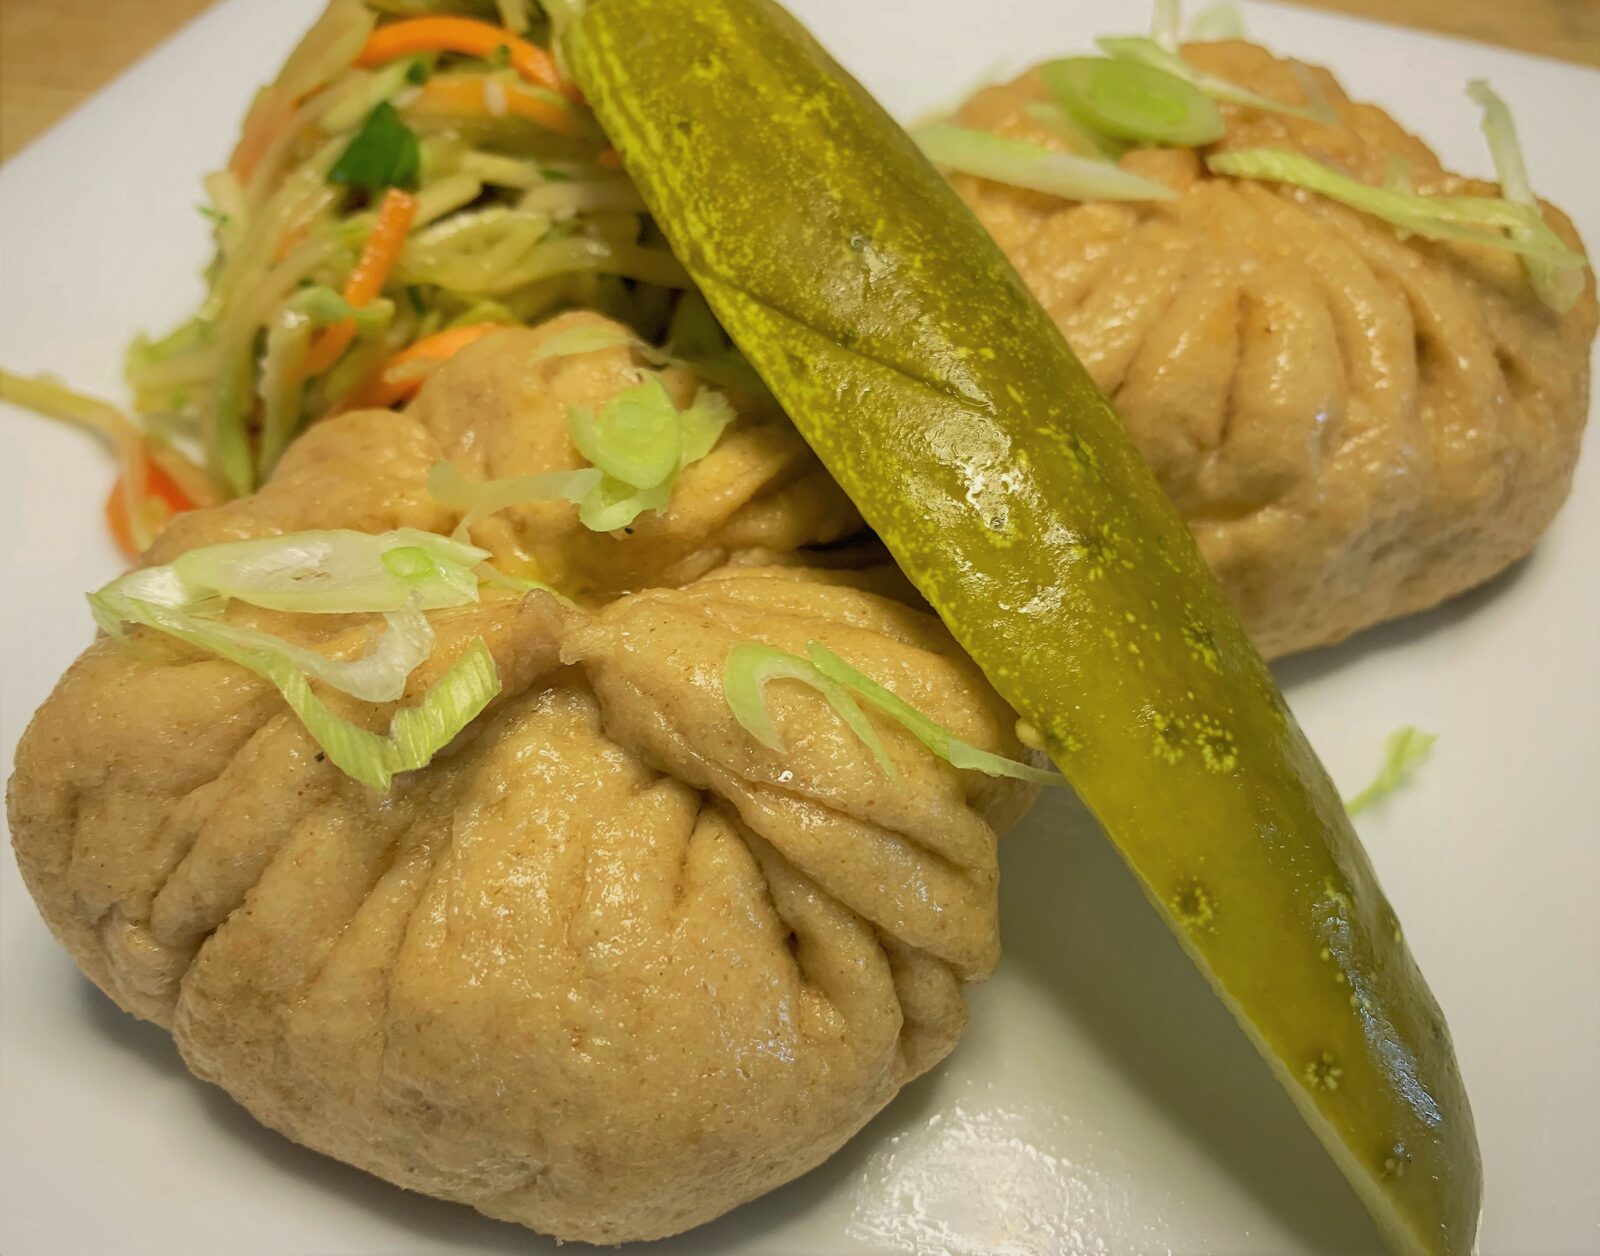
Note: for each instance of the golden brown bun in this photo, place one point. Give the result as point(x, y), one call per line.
point(1356, 426)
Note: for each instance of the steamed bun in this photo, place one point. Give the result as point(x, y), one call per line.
point(497, 411)
point(607, 967)
point(1355, 425)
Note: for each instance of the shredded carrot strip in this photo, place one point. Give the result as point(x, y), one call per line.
point(401, 376)
point(159, 488)
point(464, 35)
point(395, 216)
point(610, 158)
point(468, 97)
point(191, 480)
point(366, 281)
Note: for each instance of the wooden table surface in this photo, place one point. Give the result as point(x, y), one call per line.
point(55, 53)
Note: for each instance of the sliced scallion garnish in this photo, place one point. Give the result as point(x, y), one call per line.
point(636, 438)
point(1065, 127)
point(1148, 52)
point(638, 445)
point(1032, 166)
point(750, 668)
point(478, 499)
point(337, 572)
point(1133, 101)
point(1486, 220)
point(397, 574)
point(1558, 284)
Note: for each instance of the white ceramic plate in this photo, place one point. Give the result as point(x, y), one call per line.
point(1102, 1101)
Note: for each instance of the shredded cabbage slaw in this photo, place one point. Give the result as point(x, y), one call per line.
point(417, 175)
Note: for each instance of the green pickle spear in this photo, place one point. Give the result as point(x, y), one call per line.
point(946, 403)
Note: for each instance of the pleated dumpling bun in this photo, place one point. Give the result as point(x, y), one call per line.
point(608, 966)
point(1355, 425)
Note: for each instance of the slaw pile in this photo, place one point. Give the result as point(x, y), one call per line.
point(418, 175)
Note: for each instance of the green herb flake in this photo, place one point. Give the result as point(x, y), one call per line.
point(1404, 751)
point(384, 154)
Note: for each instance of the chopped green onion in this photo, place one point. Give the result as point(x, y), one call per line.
point(614, 503)
point(380, 675)
point(385, 153)
point(179, 603)
point(930, 733)
point(1558, 285)
point(642, 442)
point(336, 572)
point(639, 444)
point(1166, 21)
point(1032, 166)
point(1404, 751)
point(1133, 48)
point(1133, 101)
point(703, 423)
point(637, 437)
point(1221, 21)
point(1065, 127)
point(751, 668)
point(480, 499)
point(1467, 219)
